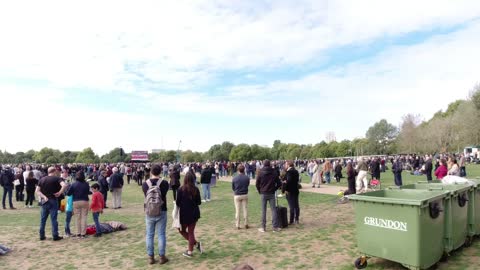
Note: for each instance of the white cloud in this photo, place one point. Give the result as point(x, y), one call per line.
point(148, 51)
point(187, 43)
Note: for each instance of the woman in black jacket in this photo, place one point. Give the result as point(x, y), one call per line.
point(292, 181)
point(188, 200)
point(32, 183)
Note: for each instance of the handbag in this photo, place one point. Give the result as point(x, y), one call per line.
point(176, 217)
point(16, 182)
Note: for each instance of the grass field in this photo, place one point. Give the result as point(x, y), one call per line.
point(325, 238)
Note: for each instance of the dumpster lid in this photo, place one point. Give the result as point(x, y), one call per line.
point(402, 197)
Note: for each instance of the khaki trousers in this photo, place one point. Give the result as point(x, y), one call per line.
point(80, 209)
point(117, 197)
point(241, 201)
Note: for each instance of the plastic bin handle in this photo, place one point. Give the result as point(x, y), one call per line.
point(394, 187)
point(435, 188)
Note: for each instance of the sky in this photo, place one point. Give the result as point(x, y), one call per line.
point(146, 75)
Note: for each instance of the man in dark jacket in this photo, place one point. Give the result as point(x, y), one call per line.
point(397, 169)
point(6, 179)
point(267, 183)
point(205, 179)
point(240, 185)
point(102, 181)
point(116, 185)
point(428, 167)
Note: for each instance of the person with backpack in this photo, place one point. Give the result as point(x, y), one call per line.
point(155, 191)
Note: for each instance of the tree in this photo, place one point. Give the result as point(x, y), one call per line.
point(241, 152)
point(475, 96)
point(86, 156)
point(408, 137)
point(381, 137)
point(114, 156)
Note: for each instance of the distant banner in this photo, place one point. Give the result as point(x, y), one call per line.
point(139, 155)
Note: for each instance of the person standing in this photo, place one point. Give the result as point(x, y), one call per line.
point(267, 183)
point(461, 163)
point(97, 208)
point(375, 167)
point(338, 171)
point(49, 189)
point(79, 191)
point(188, 200)
point(103, 183)
point(31, 183)
point(156, 222)
point(397, 169)
point(327, 171)
point(350, 179)
point(428, 167)
point(20, 186)
point(174, 173)
point(362, 181)
point(240, 184)
point(116, 186)
point(6, 180)
point(292, 180)
point(316, 179)
point(205, 180)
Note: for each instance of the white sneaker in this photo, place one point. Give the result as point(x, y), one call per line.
point(204, 201)
point(262, 230)
point(208, 200)
point(279, 195)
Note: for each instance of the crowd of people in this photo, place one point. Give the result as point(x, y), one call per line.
point(68, 185)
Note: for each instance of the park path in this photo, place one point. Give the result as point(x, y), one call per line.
point(306, 187)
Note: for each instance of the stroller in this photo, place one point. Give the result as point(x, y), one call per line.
point(374, 184)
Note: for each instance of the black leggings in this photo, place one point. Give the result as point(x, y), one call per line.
point(30, 197)
point(294, 207)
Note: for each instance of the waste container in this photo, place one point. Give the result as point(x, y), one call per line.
point(404, 226)
point(474, 210)
point(456, 212)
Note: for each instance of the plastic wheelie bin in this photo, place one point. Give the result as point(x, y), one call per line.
point(404, 226)
point(474, 210)
point(456, 213)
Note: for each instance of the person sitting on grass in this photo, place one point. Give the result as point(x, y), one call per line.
point(97, 208)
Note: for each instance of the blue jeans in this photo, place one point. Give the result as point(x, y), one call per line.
point(273, 207)
point(49, 208)
point(68, 219)
point(206, 191)
point(327, 177)
point(98, 229)
point(158, 224)
point(7, 190)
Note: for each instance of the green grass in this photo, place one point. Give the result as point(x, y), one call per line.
point(325, 239)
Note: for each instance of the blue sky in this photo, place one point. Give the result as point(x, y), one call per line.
point(146, 75)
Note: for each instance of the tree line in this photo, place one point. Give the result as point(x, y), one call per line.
point(448, 131)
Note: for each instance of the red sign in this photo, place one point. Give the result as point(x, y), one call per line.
point(139, 155)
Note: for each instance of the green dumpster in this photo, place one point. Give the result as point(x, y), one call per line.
point(404, 226)
point(474, 211)
point(456, 212)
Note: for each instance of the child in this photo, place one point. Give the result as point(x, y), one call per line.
point(69, 214)
point(97, 208)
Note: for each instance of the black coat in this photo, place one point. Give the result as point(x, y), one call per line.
point(116, 181)
point(206, 176)
point(292, 180)
point(7, 178)
point(267, 181)
point(189, 210)
point(102, 181)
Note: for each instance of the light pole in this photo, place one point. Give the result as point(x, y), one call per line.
point(178, 151)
